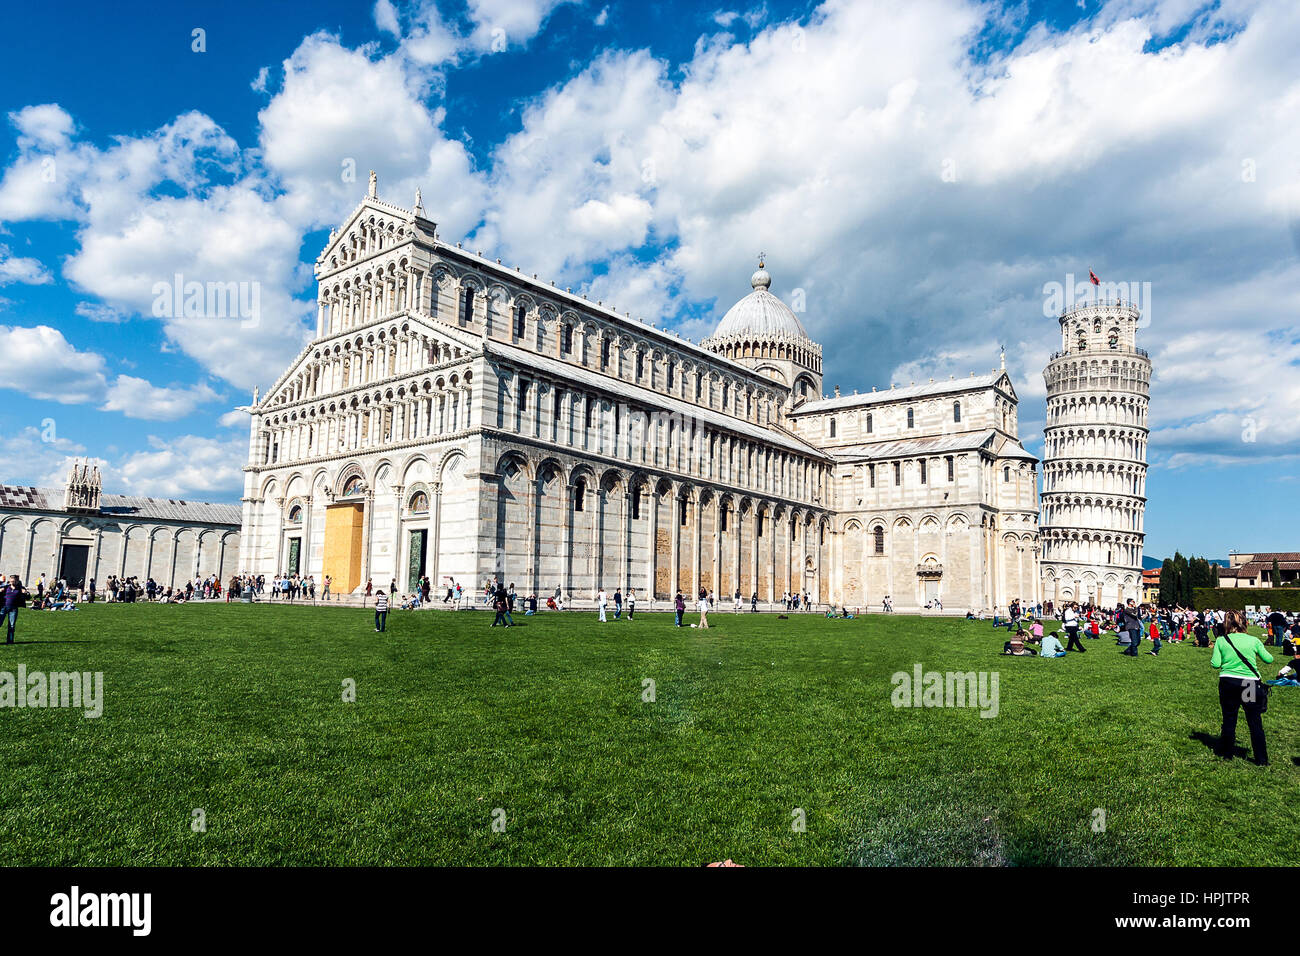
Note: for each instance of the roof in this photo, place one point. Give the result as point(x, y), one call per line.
point(643, 396)
point(916, 447)
point(951, 386)
point(26, 498)
point(760, 314)
point(1286, 561)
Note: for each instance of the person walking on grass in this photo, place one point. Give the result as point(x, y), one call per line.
point(601, 600)
point(381, 611)
point(704, 608)
point(501, 604)
point(14, 596)
point(1240, 686)
point(679, 606)
point(618, 603)
point(1071, 621)
point(631, 603)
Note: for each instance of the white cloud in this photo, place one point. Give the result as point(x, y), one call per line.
point(42, 364)
point(189, 466)
point(22, 269)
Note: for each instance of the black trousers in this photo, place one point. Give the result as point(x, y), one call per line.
point(1235, 693)
point(1074, 643)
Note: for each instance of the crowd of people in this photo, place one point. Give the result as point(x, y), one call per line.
point(1235, 653)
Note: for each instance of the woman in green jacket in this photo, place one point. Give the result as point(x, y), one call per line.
point(1239, 685)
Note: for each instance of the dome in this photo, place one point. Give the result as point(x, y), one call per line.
point(760, 314)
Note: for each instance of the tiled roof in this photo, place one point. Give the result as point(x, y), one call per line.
point(916, 447)
point(899, 394)
point(128, 507)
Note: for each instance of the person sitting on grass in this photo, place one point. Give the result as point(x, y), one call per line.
point(551, 605)
point(1051, 647)
point(1016, 648)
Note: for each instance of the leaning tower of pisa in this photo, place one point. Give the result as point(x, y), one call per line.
point(1094, 457)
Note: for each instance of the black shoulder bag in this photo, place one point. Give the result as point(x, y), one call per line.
point(1263, 688)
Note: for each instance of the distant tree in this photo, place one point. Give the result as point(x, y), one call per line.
point(1277, 574)
point(1168, 582)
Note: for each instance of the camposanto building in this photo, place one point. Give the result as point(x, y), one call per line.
point(457, 418)
point(77, 534)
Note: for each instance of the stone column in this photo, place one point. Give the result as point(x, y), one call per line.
point(566, 555)
point(624, 575)
point(279, 534)
point(367, 536)
point(398, 567)
point(436, 505)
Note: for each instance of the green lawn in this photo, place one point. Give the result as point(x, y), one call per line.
point(238, 710)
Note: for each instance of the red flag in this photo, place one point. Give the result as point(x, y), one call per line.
point(1092, 277)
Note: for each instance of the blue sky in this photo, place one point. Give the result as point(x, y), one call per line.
point(920, 172)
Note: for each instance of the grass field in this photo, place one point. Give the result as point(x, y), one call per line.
point(238, 711)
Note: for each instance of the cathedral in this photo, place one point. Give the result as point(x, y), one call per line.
point(457, 418)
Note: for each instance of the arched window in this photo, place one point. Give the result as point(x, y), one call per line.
point(419, 503)
point(1006, 473)
point(879, 534)
point(1113, 338)
point(832, 428)
point(467, 306)
point(352, 486)
point(956, 411)
point(295, 515)
point(519, 321)
point(579, 490)
point(869, 423)
point(911, 418)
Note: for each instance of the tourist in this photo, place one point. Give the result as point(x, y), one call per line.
point(381, 612)
point(679, 605)
point(1051, 647)
point(739, 604)
point(601, 600)
point(1070, 618)
point(325, 590)
point(1240, 687)
point(1132, 625)
point(704, 609)
point(631, 603)
point(753, 602)
point(618, 603)
point(532, 605)
point(1155, 638)
point(14, 597)
point(501, 604)
point(1276, 627)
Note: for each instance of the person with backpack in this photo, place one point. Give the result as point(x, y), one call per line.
point(1240, 686)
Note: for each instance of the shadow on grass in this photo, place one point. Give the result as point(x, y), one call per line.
point(1212, 741)
point(10, 644)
